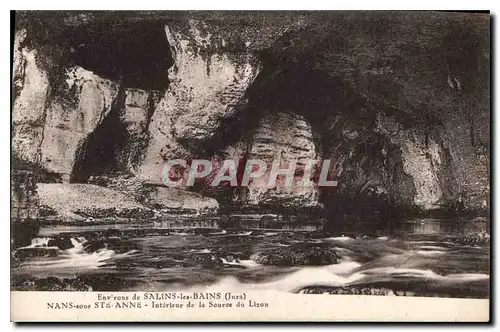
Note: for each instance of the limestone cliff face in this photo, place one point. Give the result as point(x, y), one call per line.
point(74, 114)
point(207, 86)
point(30, 90)
point(24, 196)
point(51, 126)
point(421, 160)
point(25, 204)
point(282, 137)
point(138, 108)
point(403, 116)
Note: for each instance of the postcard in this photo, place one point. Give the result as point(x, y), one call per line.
point(250, 166)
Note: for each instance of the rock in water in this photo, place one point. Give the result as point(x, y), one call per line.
point(294, 256)
point(62, 243)
point(473, 239)
point(23, 253)
point(209, 261)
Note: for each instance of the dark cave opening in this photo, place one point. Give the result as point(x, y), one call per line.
point(311, 94)
point(319, 98)
point(99, 155)
point(137, 55)
point(314, 95)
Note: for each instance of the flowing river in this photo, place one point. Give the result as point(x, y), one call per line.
point(413, 258)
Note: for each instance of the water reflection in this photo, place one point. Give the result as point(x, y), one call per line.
point(422, 226)
point(435, 226)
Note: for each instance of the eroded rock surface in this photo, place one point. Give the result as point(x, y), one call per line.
point(207, 85)
point(139, 106)
point(74, 202)
point(30, 89)
point(172, 200)
point(283, 137)
point(297, 255)
point(79, 109)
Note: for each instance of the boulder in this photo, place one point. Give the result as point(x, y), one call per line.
point(90, 202)
point(473, 239)
point(297, 255)
point(62, 242)
point(25, 252)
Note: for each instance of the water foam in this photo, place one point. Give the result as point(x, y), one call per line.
point(241, 263)
point(74, 260)
point(218, 233)
point(430, 253)
point(38, 242)
point(338, 238)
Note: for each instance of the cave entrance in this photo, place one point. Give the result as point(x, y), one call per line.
point(343, 128)
point(99, 154)
point(136, 54)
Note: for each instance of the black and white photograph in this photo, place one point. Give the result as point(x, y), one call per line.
point(205, 155)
